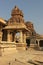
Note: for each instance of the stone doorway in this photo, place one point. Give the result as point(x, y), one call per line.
point(41, 43)
point(28, 42)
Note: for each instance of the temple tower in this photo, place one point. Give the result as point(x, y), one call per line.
point(16, 25)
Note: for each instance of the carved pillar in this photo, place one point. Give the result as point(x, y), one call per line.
point(38, 43)
point(14, 37)
point(11, 37)
point(1, 32)
point(24, 37)
point(1, 35)
point(21, 36)
point(8, 36)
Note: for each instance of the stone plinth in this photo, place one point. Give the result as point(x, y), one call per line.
point(20, 46)
point(32, 45)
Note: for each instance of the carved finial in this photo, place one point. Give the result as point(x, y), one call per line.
point(16, 11)
point(16, 7)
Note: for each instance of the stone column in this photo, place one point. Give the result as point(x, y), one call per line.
point(11, 37)
point(8, 36)
point(21, 37)
point(24, 37)
point(38, 43)
point(1, 36)
point(14, 37)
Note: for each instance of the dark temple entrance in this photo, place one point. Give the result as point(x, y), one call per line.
point(41, 43)
point(28, 42)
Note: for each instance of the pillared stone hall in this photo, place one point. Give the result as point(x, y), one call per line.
point(18, 33)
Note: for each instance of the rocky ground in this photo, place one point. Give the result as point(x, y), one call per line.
point(21, 57)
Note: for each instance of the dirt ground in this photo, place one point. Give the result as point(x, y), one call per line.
point(21, 57)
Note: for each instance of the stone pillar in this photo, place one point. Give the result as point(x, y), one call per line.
point(11, 37)
point(24, 37)
point(14, 37)
point(21, 37)
point(8, 36)
point(38, 43)
point(1, 36)
point(0, 42)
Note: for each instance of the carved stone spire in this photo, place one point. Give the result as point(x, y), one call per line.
point(16, 11)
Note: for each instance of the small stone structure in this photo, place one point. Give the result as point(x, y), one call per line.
point(16, 32)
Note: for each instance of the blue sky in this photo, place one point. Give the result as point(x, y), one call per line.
point(32, 9)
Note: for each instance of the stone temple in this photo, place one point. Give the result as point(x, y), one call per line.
point(16, 33)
